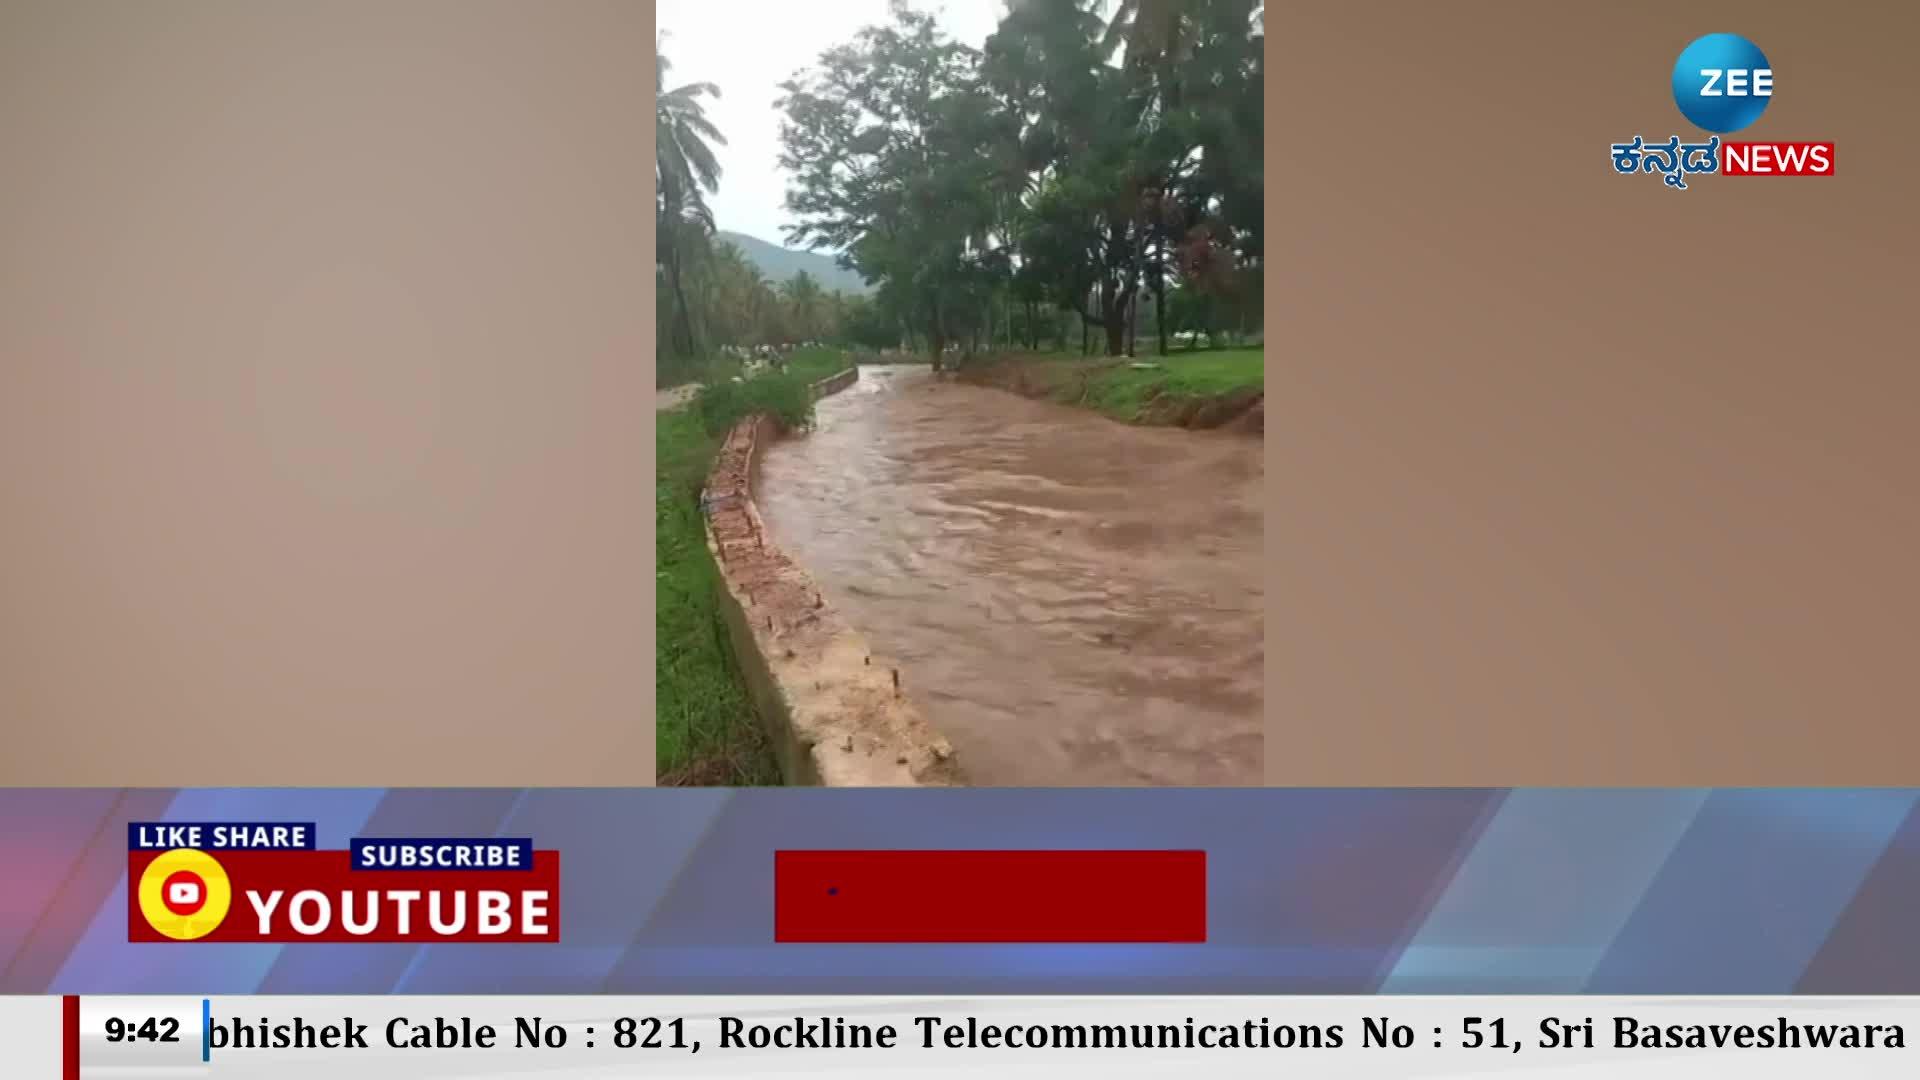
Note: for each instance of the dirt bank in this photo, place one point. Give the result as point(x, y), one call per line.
point(674, 397)
point(1198, 391)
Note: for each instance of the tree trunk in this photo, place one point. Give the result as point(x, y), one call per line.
point(936, 334)
point(680, 298)
point(1133, 290)
point(1113, 318)
point(1116, 336)
point(1160, 285)
point(1160, 315)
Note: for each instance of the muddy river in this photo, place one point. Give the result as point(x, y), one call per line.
point(1071, 600)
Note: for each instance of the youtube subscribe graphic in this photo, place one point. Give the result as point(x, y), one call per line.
point(1722, 84)
point(270, 882)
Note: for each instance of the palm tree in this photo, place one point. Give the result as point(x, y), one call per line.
point(760, 306)
point(684, 171)
point(802, 294)
point(726, 310)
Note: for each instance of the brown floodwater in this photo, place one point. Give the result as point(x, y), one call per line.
point(1072, 601)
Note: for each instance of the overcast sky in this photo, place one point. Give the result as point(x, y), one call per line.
point(749, 47)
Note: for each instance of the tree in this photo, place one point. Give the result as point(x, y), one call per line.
point(806, 306)
point(1151, 31)
point(1199, 65)
point(685, 170)
point(877, 140)
point(868, 325)
point(1082, 230)
point(1052, 168)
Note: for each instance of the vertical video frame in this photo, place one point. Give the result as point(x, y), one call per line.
point(961, 369)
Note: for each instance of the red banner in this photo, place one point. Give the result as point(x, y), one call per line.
point(990, 896)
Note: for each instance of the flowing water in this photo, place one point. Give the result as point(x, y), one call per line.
point(1071, 600)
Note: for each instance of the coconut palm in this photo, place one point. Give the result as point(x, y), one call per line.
point(684, 172)
point(803, 298)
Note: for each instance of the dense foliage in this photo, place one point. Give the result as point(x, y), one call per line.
point(1081, 161)
point(1096, 166)
point(722, 403)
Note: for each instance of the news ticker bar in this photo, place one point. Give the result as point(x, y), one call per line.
point(426, 1037)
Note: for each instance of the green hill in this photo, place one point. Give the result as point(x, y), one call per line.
point(779, 263)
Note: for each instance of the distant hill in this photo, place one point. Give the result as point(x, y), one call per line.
point(780, 263)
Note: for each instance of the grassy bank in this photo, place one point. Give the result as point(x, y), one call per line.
point(811, 365)
point(706, 732)
point(1210, 388)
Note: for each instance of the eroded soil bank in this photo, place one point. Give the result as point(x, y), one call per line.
point(1199, 391)
point(1070, 600)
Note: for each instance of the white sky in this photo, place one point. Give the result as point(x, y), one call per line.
point(748, 48)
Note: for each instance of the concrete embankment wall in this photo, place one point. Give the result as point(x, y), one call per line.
point(837, 716)
point(833, 384)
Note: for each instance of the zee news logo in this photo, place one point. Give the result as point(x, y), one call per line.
point(1722, 83)
point(268, 882)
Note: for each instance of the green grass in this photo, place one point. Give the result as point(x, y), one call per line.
point(1122, 391)
point(720, 405)
point(812, 365)
point(673, 369)
point(1112, 386)
point(705, 729)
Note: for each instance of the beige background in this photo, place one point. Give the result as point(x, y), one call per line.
point(1579, 479)
point(324, 371)
point(324, 392)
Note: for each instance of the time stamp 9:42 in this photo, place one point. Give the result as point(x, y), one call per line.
point(162, 1029)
